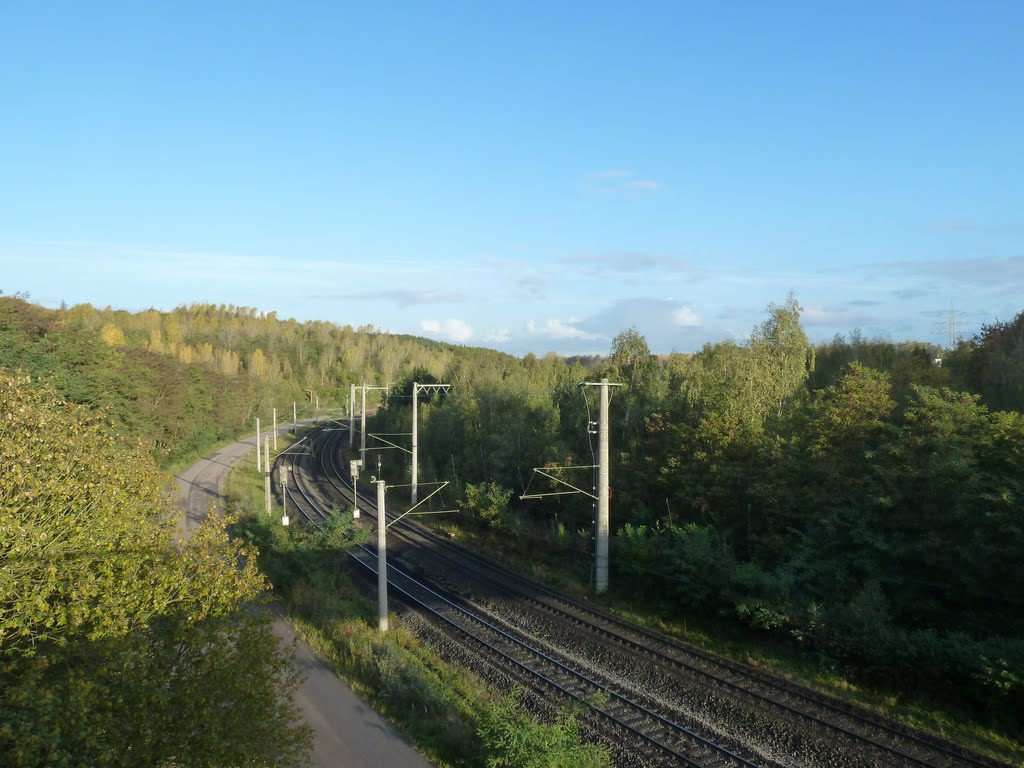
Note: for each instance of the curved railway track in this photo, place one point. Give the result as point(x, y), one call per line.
point(686, 705)
point(658, 740)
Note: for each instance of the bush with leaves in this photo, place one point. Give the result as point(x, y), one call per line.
point(512, 740)
point(488, 503)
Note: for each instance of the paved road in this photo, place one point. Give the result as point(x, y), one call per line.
point(348, 733)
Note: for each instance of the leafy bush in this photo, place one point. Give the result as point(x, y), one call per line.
point(511, 740)
point(488, 504)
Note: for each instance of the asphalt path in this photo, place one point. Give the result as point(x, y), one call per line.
point(348, 733)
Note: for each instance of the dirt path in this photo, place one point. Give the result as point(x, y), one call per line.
point(348, 732)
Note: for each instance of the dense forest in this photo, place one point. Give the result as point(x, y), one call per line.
point(860, 499)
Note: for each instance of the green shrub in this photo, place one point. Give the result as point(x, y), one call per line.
point(488, 504)
point(512, 740)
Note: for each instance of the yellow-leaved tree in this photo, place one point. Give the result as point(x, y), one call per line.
point(112, 335)
point(118, 644)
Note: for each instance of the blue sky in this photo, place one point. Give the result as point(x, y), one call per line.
point(525, 176)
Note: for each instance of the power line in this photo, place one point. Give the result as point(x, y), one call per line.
point(471, 394)
point(950, 327)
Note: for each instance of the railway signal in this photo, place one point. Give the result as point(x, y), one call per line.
point(266, 470)
point(284, 494)
point(354, 466)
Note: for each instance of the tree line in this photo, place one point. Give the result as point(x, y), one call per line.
point(180, 381)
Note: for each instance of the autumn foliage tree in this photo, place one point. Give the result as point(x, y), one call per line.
point(119, 645)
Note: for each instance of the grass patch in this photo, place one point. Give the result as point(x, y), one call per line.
point(179, 463)
point(184, 461)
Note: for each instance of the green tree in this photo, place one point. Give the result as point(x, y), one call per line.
point(958, 497)
point(119, 646)
point(632, 364)
point(850, 414)
point(740, 404)
point(995, 366)
point(487, 502)
point(740, 390)
point(782, 357)
point(838, 486)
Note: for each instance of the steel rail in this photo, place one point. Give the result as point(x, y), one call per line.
point(722, 756)
point(657, 735)
point(661, 721)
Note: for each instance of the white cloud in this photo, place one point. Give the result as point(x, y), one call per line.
point(601, 263)
point(619, 179)
point(402, 297)
point(149, 273)
point(531, 286)
point(455, 330)
point(499, 336)
point(990, 272)
point(818, 315)
point(686, 317)
point(954, 225)
point(666, 324)
point(515, 274)
point(556, 329)
point(914, 293)
point(644, 185)
point(612, 173)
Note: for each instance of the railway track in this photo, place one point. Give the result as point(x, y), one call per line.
point(749, 717)
point(661, 740)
